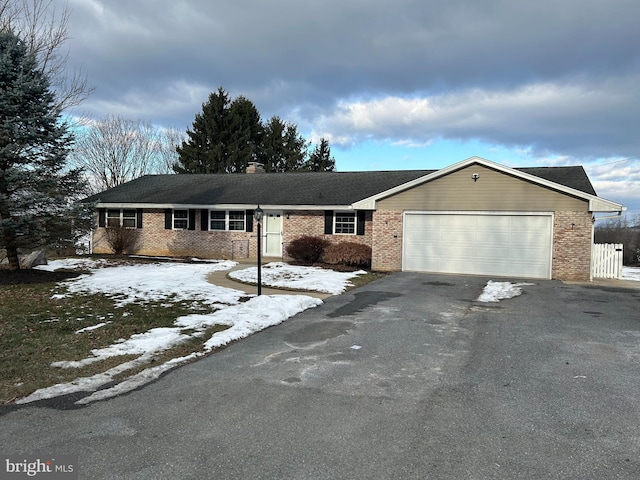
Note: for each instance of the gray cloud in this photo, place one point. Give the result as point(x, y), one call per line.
point(559, 77)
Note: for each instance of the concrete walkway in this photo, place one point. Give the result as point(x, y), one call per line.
point(221, 279)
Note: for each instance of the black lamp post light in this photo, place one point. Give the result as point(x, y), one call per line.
point(258, 214)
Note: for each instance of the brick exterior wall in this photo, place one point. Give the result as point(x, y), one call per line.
point(311, 222)
point(154, 240)
point(572, 240)
point(387, 241)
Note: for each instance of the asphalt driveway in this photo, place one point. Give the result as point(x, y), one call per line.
point(407, 377)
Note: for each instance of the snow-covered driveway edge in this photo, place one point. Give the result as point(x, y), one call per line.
point(245, 318)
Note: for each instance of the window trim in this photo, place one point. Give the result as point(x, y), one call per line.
point(353, 222)
point(173, 218)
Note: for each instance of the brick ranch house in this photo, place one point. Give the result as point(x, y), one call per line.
point(474, 217)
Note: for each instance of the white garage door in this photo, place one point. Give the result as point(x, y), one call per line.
point(478, 244)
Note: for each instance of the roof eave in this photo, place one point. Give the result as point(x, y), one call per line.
point(226, 206)
point(602, 205)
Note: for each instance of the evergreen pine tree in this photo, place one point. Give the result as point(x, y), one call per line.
point(246, 134)
point(320, 160)
point(225, 137)
point(205, 151)
point(36, 191)
point(284, 149)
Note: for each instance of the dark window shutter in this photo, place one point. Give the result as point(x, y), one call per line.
point(168, 218)
point(328, 222)
point(360, 226)
point(204, 219)
point(192, 219)
point(138, 217)
point(102, 217)
point(249, 220)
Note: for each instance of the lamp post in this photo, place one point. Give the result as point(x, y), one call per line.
point(257, 214)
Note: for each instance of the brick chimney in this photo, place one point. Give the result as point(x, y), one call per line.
point(255, 167)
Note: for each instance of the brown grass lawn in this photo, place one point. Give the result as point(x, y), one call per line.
point(36, 330)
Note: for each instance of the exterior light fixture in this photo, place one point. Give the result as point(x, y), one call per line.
point(258, 213)
point(475, 177)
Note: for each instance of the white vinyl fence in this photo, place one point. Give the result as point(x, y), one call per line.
point(606, 260)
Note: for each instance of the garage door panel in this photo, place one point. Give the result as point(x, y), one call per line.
point(481, 244)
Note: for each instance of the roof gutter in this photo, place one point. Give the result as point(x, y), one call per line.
point(225, 206)
point(606, 217)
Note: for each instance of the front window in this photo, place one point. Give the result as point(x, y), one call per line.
point(113, 218)
point(227, 220)
point(345, 223)
point(218, 220)
point(236, 221)
point(180, 219)
point(121, 218)
point(129, 218)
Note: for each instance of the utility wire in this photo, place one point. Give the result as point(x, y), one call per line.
point(614, 161)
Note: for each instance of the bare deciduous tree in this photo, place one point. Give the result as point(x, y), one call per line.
point(170, 138)
point(115, 150)
point(44, 29)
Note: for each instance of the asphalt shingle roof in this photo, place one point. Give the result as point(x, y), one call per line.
point(310, 188)
point(573, 177)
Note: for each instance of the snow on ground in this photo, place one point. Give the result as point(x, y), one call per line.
point(92, 327)
point(149, 282)
point(167, 281)
point(631, 273)
point(187, 281)
point(279, 274)
point(496, 291)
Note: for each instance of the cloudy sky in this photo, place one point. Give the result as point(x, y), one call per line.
point(402, 84)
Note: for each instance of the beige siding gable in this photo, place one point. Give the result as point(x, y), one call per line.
point(493, 190)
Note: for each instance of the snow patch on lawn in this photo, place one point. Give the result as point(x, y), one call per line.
point(151, 282)
point(279, 274)
point(92, 327)
point(173, 282)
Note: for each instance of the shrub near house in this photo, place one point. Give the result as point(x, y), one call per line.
point(307, 249)
point(348, 253)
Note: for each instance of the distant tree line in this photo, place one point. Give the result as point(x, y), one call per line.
point(228, 134)
point(224, 138)
point(622, 230)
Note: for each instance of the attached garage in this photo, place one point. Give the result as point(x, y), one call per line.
point(503, 244)
point(477, 217)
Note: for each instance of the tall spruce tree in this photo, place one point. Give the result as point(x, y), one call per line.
point(36, 191)
point(245, 136)
point(284, 149)
point(320, 160)
point(224, 138)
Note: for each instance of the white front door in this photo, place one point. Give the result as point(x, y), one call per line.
point(272, 234)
